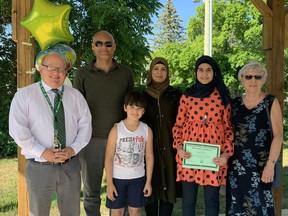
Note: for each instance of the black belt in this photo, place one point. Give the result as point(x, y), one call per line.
point(51, 163)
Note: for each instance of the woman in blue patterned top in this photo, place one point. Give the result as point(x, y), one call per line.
point(251, 168)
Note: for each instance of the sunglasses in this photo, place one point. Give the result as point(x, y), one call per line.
point(106, 43)
point(249, 77)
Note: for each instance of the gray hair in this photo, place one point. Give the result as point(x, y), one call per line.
point(253, 66)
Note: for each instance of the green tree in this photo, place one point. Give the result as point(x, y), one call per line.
point(127, 20)
point(8, 77)
point(168, 27)
point(237, 39)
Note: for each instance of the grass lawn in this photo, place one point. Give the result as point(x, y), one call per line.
point(8, 191)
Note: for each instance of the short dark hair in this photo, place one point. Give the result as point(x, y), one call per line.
point(135, 98)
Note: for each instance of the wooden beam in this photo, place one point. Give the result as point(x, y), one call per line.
point(286, 27)
point(274, 39)
point(275, 68)
point(14, 19)
point(267, 32)
point(267, 14)
point(25, 63)
point(262, 8)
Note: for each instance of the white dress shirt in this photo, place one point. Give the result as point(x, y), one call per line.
point(31, 120)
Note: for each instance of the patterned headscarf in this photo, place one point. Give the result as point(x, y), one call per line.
point(153, 88)
point(64, 51)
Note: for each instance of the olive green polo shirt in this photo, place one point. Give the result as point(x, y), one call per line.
point(105, 94)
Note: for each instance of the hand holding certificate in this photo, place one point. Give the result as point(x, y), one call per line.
point(202, 155)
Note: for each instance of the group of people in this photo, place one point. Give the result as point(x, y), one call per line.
point(138, 137)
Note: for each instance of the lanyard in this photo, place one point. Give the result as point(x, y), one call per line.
point(56, 107)
point(55, 111)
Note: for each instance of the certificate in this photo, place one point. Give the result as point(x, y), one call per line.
point(202, 155)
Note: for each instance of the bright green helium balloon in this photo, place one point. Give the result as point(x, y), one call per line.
point(48, 23)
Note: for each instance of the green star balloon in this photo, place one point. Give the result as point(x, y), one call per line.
point(48, 23)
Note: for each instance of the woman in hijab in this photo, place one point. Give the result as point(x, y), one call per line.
point(203, 117)
point(160, 115)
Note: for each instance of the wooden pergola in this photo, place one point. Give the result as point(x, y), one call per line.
point(275, 39)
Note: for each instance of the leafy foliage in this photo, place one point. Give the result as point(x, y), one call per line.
point(8, 78)
point(127, 20)
point(237, 39)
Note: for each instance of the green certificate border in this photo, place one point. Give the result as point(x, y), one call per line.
point(202, 157)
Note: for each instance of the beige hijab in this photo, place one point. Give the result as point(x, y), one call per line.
point(156, 89)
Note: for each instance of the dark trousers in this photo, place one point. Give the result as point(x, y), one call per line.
point(92, 164)
point(159, 208)
point(211, 195)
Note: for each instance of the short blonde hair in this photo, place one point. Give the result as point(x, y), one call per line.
point(253, 66)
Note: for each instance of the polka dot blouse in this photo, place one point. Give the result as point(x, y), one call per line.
point(214, 128)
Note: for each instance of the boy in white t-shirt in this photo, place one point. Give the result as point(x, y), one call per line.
point(129, 151)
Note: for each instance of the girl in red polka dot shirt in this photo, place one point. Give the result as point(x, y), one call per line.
point(204, 116)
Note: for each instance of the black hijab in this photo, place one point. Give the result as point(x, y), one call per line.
point(200, 90)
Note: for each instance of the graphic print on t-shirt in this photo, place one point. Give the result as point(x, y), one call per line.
point(129, 151)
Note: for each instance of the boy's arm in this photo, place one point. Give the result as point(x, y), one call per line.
point(149, 158)
point(109, 157)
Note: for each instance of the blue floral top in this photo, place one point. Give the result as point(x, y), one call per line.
point(246, 194)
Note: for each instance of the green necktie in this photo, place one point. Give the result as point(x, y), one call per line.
point(59, 120)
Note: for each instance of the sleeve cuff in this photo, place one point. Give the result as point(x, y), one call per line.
point(38, 150)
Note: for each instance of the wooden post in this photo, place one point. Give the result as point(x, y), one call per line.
point(274, 44)
point(25, 63)
point(275, 67)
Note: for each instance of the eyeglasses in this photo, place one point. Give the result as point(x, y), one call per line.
point(51, 68)
point(105, 43)
point(249, 77)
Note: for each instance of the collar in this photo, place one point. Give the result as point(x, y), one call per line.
point(48, 88)
point(92, 65)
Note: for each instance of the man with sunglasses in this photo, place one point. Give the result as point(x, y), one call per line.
point(104, 83)
point(51, 122)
